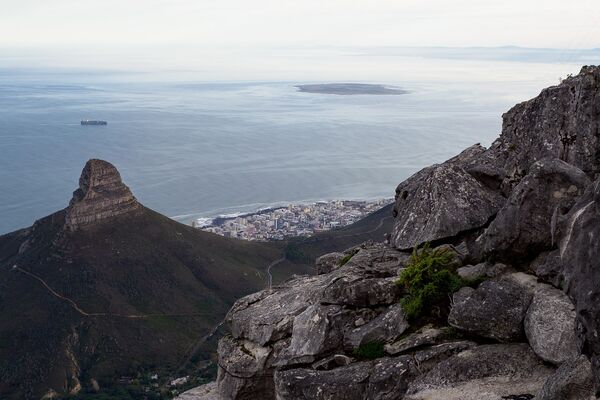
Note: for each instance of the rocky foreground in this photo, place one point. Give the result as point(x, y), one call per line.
point(520, 221)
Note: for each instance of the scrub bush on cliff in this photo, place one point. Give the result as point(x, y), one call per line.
point(429, 278)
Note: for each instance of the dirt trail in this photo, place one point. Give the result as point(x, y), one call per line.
point(84, 313)
point(274, 263)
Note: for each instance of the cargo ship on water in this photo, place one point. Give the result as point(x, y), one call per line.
point(93, 122)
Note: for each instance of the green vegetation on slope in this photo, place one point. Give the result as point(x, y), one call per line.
point(369, 351)
point(430, 278)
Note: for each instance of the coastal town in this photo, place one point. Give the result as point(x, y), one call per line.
point(294, 220)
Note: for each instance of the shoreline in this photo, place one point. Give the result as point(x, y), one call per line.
point(278, 222)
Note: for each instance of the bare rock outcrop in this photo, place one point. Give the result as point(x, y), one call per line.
point(307, 320)
point(580, 253)
point(571, 381)
point(526, 225)
point(529, 202)
point(496, 309)
point(383, 379)
point(328, 262)
point(550, 325)
point(561, 122)
point(439, 202)
point(485, 372)
point(101, 195)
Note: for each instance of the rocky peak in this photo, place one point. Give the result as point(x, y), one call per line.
point(561, 122)
point(101, 195)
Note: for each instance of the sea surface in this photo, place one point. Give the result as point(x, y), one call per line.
point(192, 149)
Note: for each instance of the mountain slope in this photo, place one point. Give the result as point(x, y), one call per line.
point(108, 288)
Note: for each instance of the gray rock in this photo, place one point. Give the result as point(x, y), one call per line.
point(562, 122)
point(389, 378)
point(382, 379)
point(484, 372)
point(580, 253)
point(487, 168)
point(440, 202)
point(429, 357)
point(571, 381)
point(265, 317)
point(376, 259)
point(495, 309)
point(204, 392)
point(482, 270)
point(341, 383)
point(243, 373)
point(328, 262)
point(550, 325)
point(428, 335)
point(366, 280)
point(357, 291)
point(548, 268)
point(386, 327)
point(524, 225)
point(316, 330)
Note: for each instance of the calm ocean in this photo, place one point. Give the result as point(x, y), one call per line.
point(191, 149)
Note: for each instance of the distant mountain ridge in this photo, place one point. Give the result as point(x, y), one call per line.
point(107, 287)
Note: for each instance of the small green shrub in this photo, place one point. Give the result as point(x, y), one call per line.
point(369, 351)
point(348, 256)
point(429, 278)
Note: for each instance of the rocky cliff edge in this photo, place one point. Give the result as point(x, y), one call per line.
point(513, 230)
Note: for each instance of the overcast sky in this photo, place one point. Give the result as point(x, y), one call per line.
point(284, 39)
point(208, 23)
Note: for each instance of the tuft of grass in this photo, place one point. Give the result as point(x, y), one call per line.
point(369, 350)
point(348, 256)
point(429, 278)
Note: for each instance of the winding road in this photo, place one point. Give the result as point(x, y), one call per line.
point(282, 259)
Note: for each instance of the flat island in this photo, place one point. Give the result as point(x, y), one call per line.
point(350, 89)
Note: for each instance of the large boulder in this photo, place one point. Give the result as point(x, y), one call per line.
point(440, 202)
point(265, 317)
point(526, 224)
point(427, 335)
point(367, 279)
point(482, 373)
point(482, 270)
point(386, 327)
point(243, 373)
point(580, 253)
point(571, 381)
point(305, 320)
point(495, 309)
point(550, 325)
point(316, 330)
point(383, 379)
